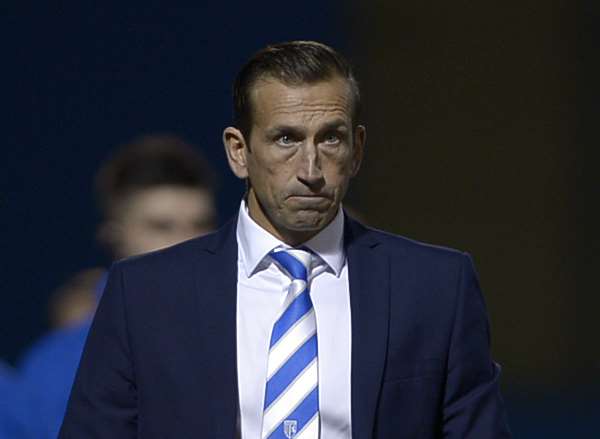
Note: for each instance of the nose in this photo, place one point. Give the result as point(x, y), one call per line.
point(309, 170)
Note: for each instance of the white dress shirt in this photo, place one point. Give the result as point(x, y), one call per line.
point(261, 290)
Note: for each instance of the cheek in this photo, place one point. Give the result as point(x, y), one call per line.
point(274, 176)
point(260, 169)
point(265, 185)
point(340, 158)
point(338, 170)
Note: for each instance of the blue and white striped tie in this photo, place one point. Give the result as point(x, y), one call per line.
point(291, 407)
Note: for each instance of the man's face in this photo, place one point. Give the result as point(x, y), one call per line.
point(300, 157)
point(154, 218)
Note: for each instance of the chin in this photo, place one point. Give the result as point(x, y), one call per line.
point(310, 221)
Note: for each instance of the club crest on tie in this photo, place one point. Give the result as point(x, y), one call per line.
point(290, 428)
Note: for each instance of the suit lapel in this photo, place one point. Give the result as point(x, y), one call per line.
point(368, 271)
point(217, 287)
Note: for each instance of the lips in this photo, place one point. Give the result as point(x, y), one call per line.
point(318, 196)
point(309, 198)
point(318, 202)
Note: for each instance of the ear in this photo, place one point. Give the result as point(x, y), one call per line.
point(236, 150)
point(360, 138)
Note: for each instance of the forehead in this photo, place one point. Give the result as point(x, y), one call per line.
point(275, 102)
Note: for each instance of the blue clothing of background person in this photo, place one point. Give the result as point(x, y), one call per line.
point(48, 370)
point(12, 406)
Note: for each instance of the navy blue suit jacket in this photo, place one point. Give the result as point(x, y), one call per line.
point(160, 359)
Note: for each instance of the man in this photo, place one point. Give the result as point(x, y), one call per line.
point(293, 320)
point(154, 192)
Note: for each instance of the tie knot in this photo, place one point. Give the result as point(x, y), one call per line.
point(295, 262)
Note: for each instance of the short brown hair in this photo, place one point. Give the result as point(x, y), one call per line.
point(147, 162)
point(292, 63)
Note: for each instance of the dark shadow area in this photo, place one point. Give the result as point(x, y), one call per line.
point(480, 138)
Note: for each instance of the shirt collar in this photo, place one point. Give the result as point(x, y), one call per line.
point(256, 243)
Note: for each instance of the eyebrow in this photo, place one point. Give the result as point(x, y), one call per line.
point(283, 129)
point(334, 125)
point(337, 124)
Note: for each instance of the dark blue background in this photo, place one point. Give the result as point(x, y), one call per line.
point(82, 79)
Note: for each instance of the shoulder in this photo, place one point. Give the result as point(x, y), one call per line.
point(412, 263)
point(170, 276)
point(178, 261)
point(403, 249)
point(431, 280)
point(181, 257)
point(175, 255)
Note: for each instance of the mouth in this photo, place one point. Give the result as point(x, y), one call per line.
point(310, 202)
point(309, 197)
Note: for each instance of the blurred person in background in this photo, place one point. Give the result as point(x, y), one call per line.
point(74, 301)
point(154, 192)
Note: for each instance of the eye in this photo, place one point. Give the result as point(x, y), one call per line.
point(332, 139)
point(286, 140)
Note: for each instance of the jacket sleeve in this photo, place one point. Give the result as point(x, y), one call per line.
point(473, 407)
point(103, 401)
